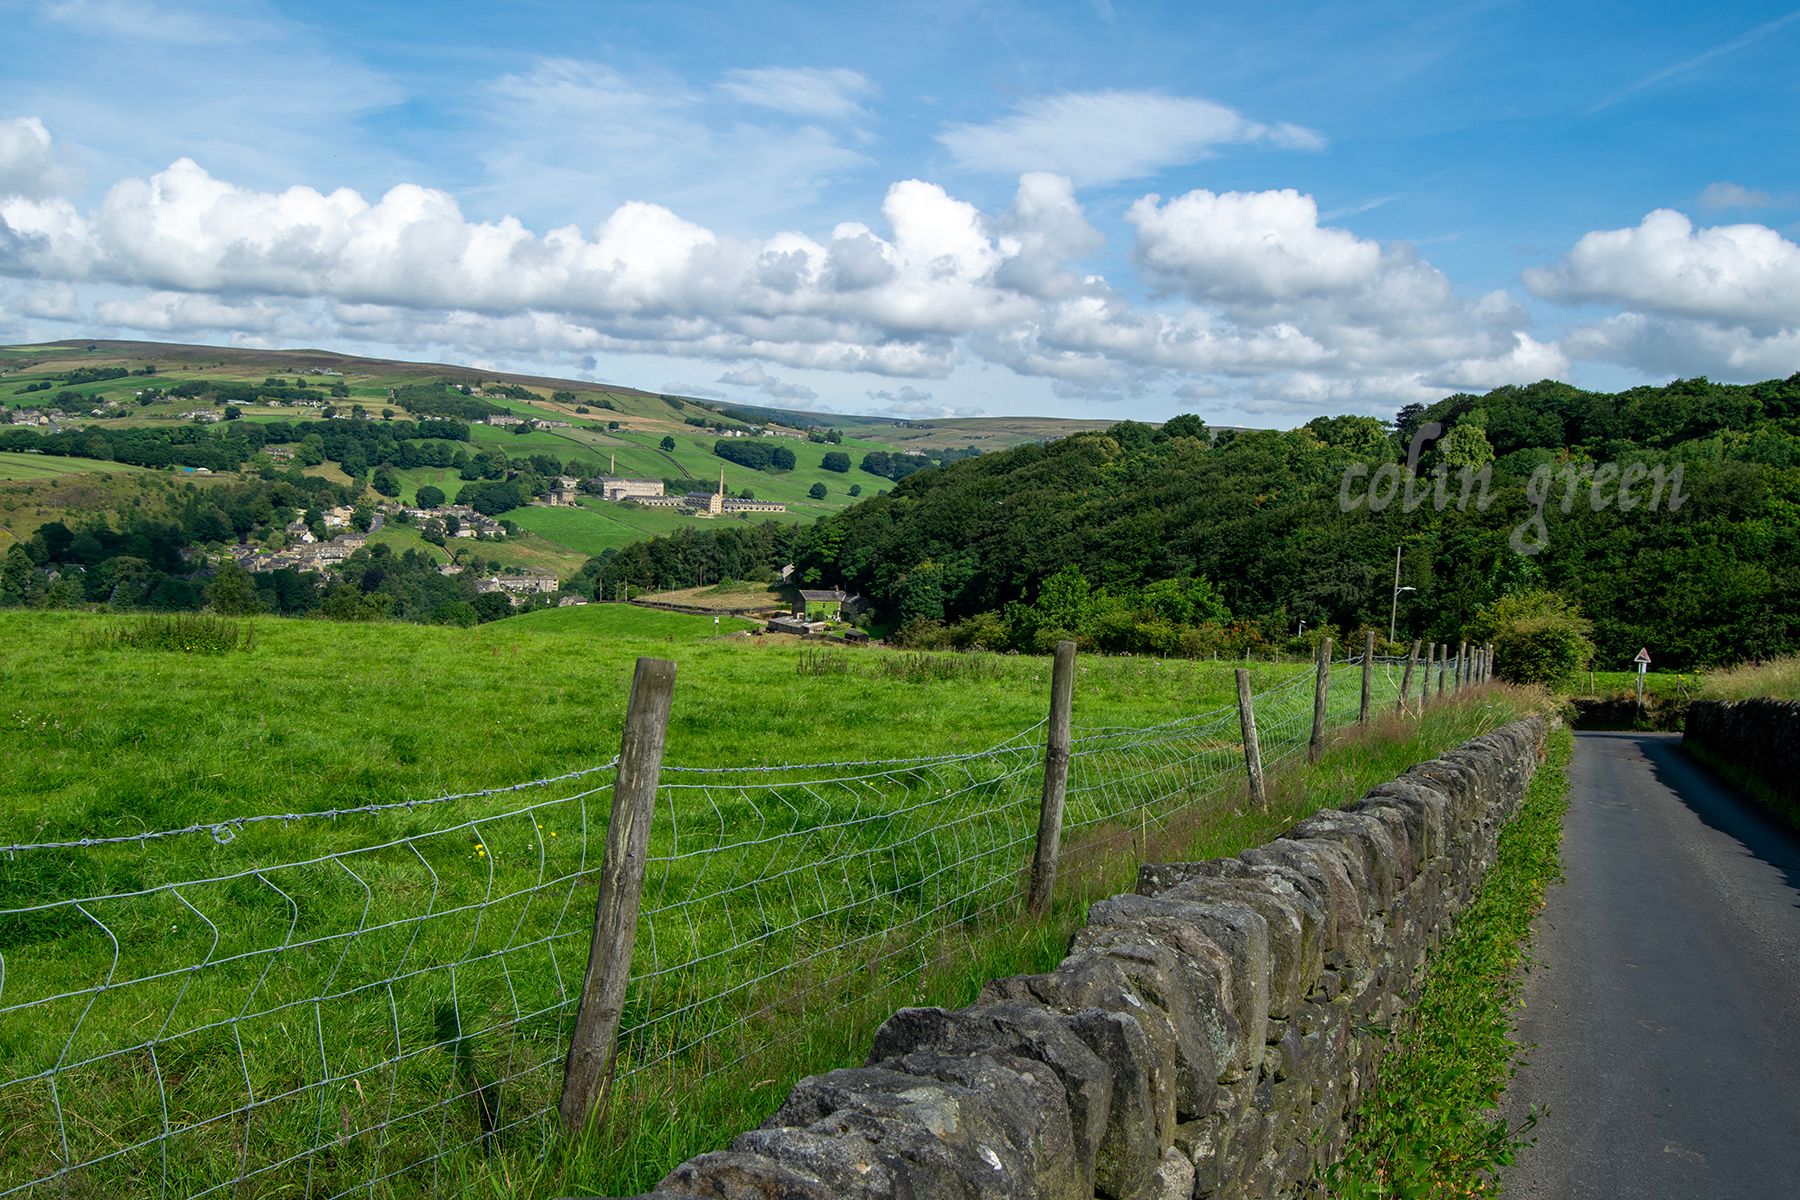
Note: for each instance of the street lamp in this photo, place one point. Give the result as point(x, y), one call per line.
point(1394, 611)
point(1394, 607)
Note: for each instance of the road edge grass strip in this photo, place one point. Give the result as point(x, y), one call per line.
point(1431, 1127)
point(644, 1136)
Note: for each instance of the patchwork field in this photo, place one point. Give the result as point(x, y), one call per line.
point(621, 430)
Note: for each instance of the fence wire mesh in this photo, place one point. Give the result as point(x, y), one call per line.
point(374, 1000)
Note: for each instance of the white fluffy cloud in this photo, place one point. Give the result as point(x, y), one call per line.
point(1745, 273)
point(1682, 346)
point(29, 166)
point(1248, 246)
point(1722, 300)
point(1106, 137)
point(1259, 296)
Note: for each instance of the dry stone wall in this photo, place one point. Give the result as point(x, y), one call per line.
point(1207, 1036)
point(1761, 736)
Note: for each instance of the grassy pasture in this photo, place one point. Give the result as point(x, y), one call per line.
point(418, 1005)
point(14, 466)
point(1664, 685)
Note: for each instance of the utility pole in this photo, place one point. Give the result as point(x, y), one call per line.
point(1394, 607)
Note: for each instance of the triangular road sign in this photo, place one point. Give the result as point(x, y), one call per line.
point(1643, 656)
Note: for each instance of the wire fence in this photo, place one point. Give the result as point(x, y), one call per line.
point(376, 1001)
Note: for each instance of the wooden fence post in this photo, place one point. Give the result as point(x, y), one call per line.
point(1362, 716)
point(1462, 665)
point(587, 1073)
point(1443, 666)
point(1252, 748)
point(1406, 679)
point(1490, 660)
point(1056, 781)
point(1321, 686)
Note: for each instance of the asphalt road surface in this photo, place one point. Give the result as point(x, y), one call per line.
point(1664, 999)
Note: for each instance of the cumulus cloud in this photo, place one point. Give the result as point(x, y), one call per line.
point(188, 313)
point(1722, 300)
point(1683, 346)
point(754, 376)
point(1107, 137)
point(827, 93)
point(1256, 294)
point(1742, 273)
point(29, 165)
point(1248, 246)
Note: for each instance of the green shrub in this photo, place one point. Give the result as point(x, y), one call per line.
point(1538, 637)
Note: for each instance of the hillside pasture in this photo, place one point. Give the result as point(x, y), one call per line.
point(15, 467)
point(387, 984)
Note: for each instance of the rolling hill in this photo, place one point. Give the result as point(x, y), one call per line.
point(609, 428)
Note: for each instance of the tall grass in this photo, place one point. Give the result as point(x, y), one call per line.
point(185, 633)
point(1777, 679)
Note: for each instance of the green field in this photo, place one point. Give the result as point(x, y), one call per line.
point(324, 713)
point(387, 985)
point(44, 466)
point(1664, 685)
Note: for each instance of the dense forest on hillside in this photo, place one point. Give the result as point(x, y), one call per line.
point(1669, 515)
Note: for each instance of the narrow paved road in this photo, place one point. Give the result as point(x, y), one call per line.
point(1665, 995)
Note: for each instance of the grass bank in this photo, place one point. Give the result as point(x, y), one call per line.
point(1429, 1129)
point(1777, 679)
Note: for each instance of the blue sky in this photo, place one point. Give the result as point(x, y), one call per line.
point(1096, 209)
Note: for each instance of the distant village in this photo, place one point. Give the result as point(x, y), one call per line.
point(303, 549)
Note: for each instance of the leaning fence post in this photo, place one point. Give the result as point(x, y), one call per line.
point(1252, 748)
point(587, 1073)
point(1406, 679)
point(1056, 781)
point(1321, 685)
point(1362, 716)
